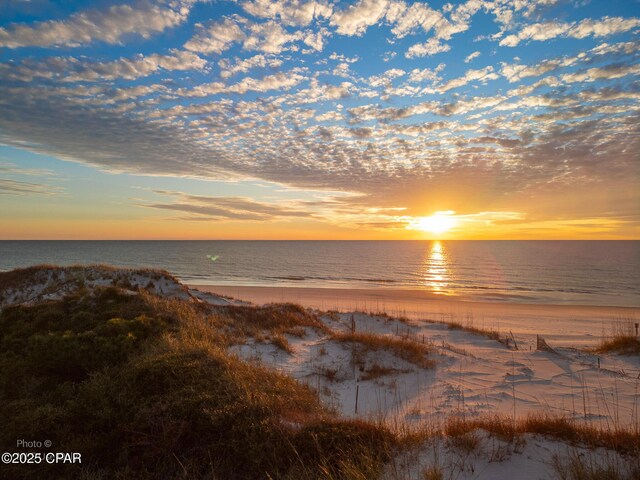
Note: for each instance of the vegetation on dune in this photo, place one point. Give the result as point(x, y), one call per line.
point(144, 388)
point(574, 466)
point(405, 348)
point(622, 344)
point(21, 277)
point(622, 338)
point(622, 440)
point(489, 333)
point(273, 318)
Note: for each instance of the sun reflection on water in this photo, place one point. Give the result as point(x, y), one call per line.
point(436, 269)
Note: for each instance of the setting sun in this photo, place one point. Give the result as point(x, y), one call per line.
point(440, 222)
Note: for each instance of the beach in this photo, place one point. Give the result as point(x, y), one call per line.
point(569, 325)
point(463, 387)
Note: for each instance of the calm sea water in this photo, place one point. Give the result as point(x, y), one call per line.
point(585, 272)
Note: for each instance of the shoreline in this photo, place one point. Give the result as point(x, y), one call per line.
point(580, 325)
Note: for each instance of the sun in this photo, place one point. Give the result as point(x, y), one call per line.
point(440, 222)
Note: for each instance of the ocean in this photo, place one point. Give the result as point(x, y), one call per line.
point(557, 272)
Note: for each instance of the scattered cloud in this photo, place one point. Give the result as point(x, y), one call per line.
point(356, 18)
point(289, 12)
point(431, 47)
point(225, 208)
point(15, 187)
point(472, 56)
point(269, 37)
point(603, 27)
point(229, 68)
point(216, 38)
point(110, 25)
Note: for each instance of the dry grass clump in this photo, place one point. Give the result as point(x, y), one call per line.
point(377, 371)
point(622, 344)
point(500, 427)
point(404, 348)
point(622, 339)
point(575, 466)
point(433, 473)
point(282, 343)
point(622, 440)
point(491, 334)
point(286, 318)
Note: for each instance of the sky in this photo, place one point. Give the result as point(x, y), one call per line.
point(319, 119)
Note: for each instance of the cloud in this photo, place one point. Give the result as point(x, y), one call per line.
point(385, 78)
point(269, 37)
point(471, 57)
point(355, 19)
point(227, 208)
point(132, 68)
point(216, 38)
point(229, 69)
point(430, 47)
point(603, 27)
point(279, 81)
point(609, 72)
point(420, 75)
point(516, 72)
point(343, 58)
point(482, 75)
point(417, 15)
point(289, 12)
point(111, 26)
point(15, 187)
point(315, 40)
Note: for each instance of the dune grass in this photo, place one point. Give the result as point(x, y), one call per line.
point(144, 388)
point(484, 332)
point(573, 466)
point(624, 440)
point(621, 338)
point(407, 349)
point(622, 344)
point(273, 319)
